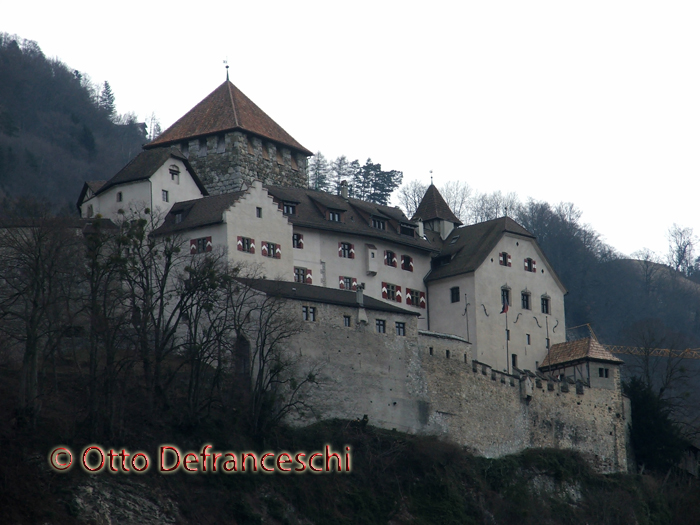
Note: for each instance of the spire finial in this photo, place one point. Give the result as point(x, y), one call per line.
point(431, 177)
point(226, 64)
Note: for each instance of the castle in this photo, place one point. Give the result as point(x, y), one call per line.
point(423, 324)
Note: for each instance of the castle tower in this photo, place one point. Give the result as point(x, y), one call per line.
point(229, 140)
point(435, 215)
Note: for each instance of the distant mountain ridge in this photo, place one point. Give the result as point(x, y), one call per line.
point(54, 131)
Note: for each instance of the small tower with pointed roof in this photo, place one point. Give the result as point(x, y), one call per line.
point(435, 215)
point(230, 141)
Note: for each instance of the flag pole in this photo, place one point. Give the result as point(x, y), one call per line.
point(507, 350)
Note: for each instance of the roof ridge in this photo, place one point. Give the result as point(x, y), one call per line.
point(233, 104)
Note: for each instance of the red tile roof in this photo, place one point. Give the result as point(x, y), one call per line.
point(226, 109)
point(571, 351)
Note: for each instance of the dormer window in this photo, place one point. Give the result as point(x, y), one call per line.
point(333, 216)
point(454, 240)
point(408, 230)
point(289, 209)
point(175, 174)
point(380, 224)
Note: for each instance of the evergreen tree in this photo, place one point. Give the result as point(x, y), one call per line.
point(319, 172)
point(106, 100)
point(341, 170)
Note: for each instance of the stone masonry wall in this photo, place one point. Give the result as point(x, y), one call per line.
point(398, 384)
point(244, 159)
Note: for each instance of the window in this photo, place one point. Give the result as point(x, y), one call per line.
point(454, 294)
point(390, 258)
point(547, 343)
point(220, 143)
point(269, 249)
point(347, 250)
point(413, 298)
point(346, 283)
point(391, 292)
point(400, 328)
point(308, 313)
point(246, 244)
point(178, 217)
point(407, 263)
point(381, 326)
point(258, 212)
point(504, 259)
point(201, 245)
point(514, 360)
point(120, 197)
point(530, 265)
point(603, 372)
point(525, 300)
point(333, 216)
point(505, 296)
point(298, 241)
point(380, 224)
point(289, 209)
point(507, 334)
point(165, 196)
point(431, 350)
point(346, 320)
point(545, 305)
point(299, 274)
point(175, 174)
point(527, 338)
point(202, 148)
point(447, 354)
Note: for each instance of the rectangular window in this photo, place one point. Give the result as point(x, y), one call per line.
point(308, 313)
point(545, 305)
point(381, 326)
point(400, 328)
point(289, 209)
point(454, 294)
point(269, 249)
point(505, 296)
point(178, 217)
point(346, 320)
point(407, 263)
point(525, 300)
point(603, 372)
point(345, 249)
point(298, 241)
point(507, 334)
point(201, 245)
point(258, 212)
point(380, 224)
point(246, 244)
point(390, 258)
point(299, 274)
point(120, 197)
point(334, 216)
point(527, 337)
point(391, 291)
point(347, 283)
point(514, 360)
point(165, 196)
point(504, 259)
point(414, 295)
point(175, 174)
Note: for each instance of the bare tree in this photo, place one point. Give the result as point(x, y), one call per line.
point(681, 249)
point(410, 196)
point(459, 196)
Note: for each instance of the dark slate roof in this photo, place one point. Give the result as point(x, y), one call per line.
point(433, 206)
point(473, 245)
point(573, 351)
point(319, 294)
point(95, 185)
point(358, 214)
point(146, 164)
point(198, 212)
point(226, 109)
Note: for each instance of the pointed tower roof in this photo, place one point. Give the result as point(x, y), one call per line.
point(433, 206)
point(226, 109)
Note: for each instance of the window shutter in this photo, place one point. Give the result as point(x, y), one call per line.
point(386, 263)
point(340, 249)
point(410, 264)
point(422, 299)
point(263, 250)
point(354, 283)
point(278, 251)
point(240, 243)
point(525, 262)
point(500, 259)
point(508, 259)
point(309, 279)
point(409, 301)
point(252, 246)
point(301, 241)
point(398, 294)
point(193, 246)
point(384, 294)
point(534, 265)
point(394, 262)
point(352, 251)
point(341, 283)
point(209, 244)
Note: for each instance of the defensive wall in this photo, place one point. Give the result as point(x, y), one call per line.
point(427, 383)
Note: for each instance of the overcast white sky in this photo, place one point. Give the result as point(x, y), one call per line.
point(596, 103)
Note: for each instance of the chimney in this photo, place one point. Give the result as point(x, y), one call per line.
point(344, 189)
point(360, 296)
